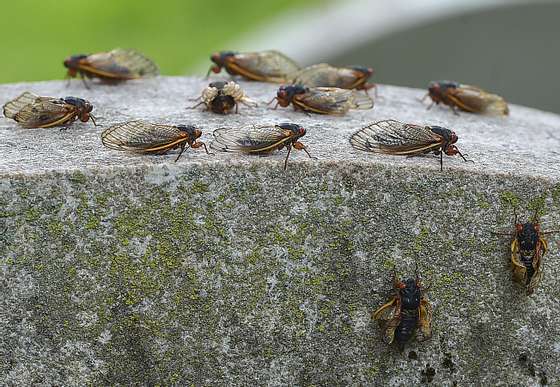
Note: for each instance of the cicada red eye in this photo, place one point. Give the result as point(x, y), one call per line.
point(518, 227)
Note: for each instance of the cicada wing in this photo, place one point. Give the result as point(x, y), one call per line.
point(389, 319)
point(397, 138)
point(537, 266)
point(32, 111)
point(143, 137)
point(120, 64)
point(267, 66)
point(474, 99)
point(12, 107)
point(425, 320)
point(332, 100)
point(316, 75)
point(250, 138)
point(325, 75)
point(519, 271)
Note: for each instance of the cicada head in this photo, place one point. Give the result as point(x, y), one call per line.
point(72, 63)
point(527, 235)
point(410, 294)
point(220, 59)
point(192, 132)
point(286, 93)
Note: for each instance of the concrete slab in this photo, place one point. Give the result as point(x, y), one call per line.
point(119, 268)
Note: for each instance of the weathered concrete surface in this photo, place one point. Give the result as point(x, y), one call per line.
point(224, 269)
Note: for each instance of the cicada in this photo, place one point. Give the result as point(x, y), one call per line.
point(397, 138)
point(321, 100)
point(265, 66)
point(528, 248)
point(261, 139)
point(33, 111)
point(113, 66)
point(325, 75)
point(147, 138)
point(221, 97)
point(408, 311)
point(467, 98)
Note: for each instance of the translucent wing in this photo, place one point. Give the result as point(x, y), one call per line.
point(250, 139)
point(474, 99)
point(537, 266)
point(332, 100)
point(268, 66)
point(388, 316)
point(142, 137)
point(33, 111)
point(394, 137)
point(425, 320)
point(120, 64)
point(518, 269)
point(325, 75)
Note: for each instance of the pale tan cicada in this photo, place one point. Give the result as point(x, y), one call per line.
point(221, 97)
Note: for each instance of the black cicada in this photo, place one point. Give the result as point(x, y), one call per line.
point(528, 248)
point(397, 138)
point(325, 75)
point(321, 100)
point(143, 137)
point(467, 98)
point(406, 312)
point(33, 111)
point(113, 66)
point(261, 139)
point(221, 97)
point(265, 66)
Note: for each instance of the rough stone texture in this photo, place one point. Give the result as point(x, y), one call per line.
point(224, 269)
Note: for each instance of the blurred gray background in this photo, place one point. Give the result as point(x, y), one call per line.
point(507, 47)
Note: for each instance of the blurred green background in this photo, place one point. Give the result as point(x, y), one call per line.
point(37, 35)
